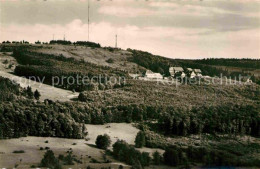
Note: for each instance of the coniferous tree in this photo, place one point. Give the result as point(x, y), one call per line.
point(140, 139)
point(37, 94)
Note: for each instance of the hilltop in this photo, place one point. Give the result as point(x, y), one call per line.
point(136, 61)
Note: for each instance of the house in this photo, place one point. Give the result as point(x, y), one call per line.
point(174, 70)
point(183, 75)
point(151, 75)
point(197, 72)
point(189, 69)
point(193, 74)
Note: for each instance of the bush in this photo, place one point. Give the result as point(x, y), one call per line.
point(50, 161)
point(19, 151)
point(110, 60)
point(140, 139)
point(82, 97)
point(103, 141)
point(68, 160)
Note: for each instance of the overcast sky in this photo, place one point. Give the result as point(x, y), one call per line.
point(171, 28)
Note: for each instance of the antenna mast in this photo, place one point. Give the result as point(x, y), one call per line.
point(116, 41)
point(88, 20)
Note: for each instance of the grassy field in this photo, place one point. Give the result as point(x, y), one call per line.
point(46, 91)
point(84, 149)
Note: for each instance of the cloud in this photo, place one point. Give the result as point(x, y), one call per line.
point(166, 41)
point(125, 11)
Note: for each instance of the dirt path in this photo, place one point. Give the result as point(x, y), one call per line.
point(46, 91)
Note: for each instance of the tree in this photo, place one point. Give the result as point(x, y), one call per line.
point(50, 161)
point(171, 157)
point(37, 94)
point(157, 158)
point(145, 159)
point(140, 139)
point(29, 92)
point(103, 141)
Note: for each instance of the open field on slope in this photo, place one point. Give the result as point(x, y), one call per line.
point(46, 91)
point(98, 56)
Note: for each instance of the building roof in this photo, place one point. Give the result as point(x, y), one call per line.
point(197, 70)
point(148, 72)
point(176, 69)
point(189, 69)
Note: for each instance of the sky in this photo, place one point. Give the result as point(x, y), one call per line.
point(188, 29)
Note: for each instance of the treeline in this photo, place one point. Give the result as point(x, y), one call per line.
point(242, 63)
point(15, 42)
point(81, 43)
point(71, 73)
point(155, 63)
point(87, 43)
point(224, 119)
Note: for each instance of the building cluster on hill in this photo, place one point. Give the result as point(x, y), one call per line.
point(179, 71)
point(174, 72)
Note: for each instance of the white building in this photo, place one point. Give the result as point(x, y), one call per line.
point(197, 72)
point(174, 70)
point(151, 75)
point(193, 74)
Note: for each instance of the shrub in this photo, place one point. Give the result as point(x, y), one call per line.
point(103, 141)
point(19, 151)
point(50, 161)
point(140, 139)
point(68, 160)
point(82, 97)
point(110, 60)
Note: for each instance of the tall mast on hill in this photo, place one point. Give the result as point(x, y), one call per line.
point(88, 20)
point(116, 41)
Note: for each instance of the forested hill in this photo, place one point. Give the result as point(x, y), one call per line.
point(241, 63)
point(210, 67)
point(136, 61)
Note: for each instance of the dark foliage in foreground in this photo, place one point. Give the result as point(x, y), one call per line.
point(127, 153)
point(21, 117)
point(175, 156)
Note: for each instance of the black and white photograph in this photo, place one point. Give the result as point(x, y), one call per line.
point(130, 84)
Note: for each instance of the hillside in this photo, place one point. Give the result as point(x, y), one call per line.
point(193, 124)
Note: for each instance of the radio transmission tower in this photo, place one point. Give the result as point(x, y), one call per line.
point(88, 20)
point(116, 41)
